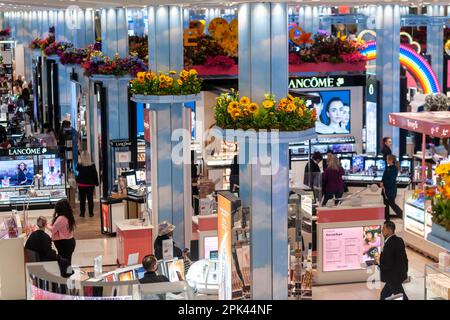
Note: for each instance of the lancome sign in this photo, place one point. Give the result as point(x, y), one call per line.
point(27, 151)
point(326, 82)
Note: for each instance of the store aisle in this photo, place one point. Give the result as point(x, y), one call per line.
point(86, 250)
point(371, 291)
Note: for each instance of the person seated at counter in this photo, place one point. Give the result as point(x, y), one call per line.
point(150, 264)
point(165, 232)
point(41, 243)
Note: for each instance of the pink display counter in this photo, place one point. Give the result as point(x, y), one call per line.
point(206, 234)
point(133, 237)
point(348, 238)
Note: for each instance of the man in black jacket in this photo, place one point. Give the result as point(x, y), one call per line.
point(393, 262)
point(312, 170)
point(150, 264)
point(41, 243)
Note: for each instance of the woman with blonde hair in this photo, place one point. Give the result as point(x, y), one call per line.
point(333, 183)
point(87, 180)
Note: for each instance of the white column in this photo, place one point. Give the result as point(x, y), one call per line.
point(388, 65)
point(114, 32)
point(435, 43)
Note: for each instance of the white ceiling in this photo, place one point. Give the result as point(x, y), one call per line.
point(12, 5)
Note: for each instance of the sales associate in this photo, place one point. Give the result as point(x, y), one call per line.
point(311, 177)
point(386, 146)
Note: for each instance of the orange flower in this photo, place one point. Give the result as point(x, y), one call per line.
point(313, 114)
point(300, 112)
point(305, 38)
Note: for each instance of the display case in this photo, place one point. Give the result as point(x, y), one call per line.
point(437, 282)
point(418, 216)
point(6, 67)
point(340, 146)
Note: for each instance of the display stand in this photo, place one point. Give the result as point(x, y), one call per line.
point(419, 231)
point(341, 248)
point(133, 237)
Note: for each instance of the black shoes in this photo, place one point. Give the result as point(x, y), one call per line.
point(81, 215)
point(91, 215)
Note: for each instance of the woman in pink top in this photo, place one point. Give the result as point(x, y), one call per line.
point(62, 228)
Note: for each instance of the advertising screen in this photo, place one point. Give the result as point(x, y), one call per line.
point(371, 127)
point(369, 163)
point(357, 164)
point(16, 173)
point(51, 169)
point(381, 164)
point(333, 110)
point(348, 248)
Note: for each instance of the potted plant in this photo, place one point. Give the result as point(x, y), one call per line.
point(98, 64)
point(172, 86)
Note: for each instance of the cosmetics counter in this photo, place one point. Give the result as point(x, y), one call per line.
point(30, 178)
point(44, 283)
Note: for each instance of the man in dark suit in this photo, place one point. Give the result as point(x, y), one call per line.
point(393, 263)
point(312, 170)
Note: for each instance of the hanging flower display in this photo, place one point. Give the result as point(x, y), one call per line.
point(42, 44)
point(73, 56)
point(441, 200)
point(57, 48)
point(97, 63)
point(288, 114)
point(219, 61)
point(324, 47)
point(171, 83)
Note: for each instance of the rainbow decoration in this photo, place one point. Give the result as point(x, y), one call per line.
point(415, 63)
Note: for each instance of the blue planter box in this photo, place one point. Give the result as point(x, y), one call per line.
point(440, 236)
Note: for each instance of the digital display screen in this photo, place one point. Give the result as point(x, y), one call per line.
point(341, 148)
point(368, 164)
point(333, 110)
point(139, 273)
point(210, 244)
point(346, 164)
point(51, 169)
point(126, 276)
point(16, 173)
point(320, 148)
point(348, 248)
point(381, 165)
point(175, 269)
point(357, 164)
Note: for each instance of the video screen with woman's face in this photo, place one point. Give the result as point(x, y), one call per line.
point(16, 173)
point(333, 109)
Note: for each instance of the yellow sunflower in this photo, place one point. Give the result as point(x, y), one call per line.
point(253, 108)
point(267, 104)
point(172, 72)
point(236, 114)
point(290, 97)
point(180, 82)
point(193, 72)
point(162, 78)
point(140, 76)
point(284, 101)
point(300, 112)
point(184, 74)
point(245, 101)
point(290, 108)
point(232, 106)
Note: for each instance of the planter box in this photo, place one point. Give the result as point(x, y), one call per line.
point(216, 71)
point(440, 236)
point(110, 77)
point(165, 99)
point(284, 137)
point(327, 67)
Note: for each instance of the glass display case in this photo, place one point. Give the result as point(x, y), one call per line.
point(437, 282)
point(339, 146)
point(418, 216)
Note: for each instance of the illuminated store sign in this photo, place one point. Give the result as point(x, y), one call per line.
point(27, 151)
point(121, 143)
point(326, 82)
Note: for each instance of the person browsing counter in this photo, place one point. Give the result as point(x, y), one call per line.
point(389, 187)
point(41, 243)
point(332, 181)
point(393, 263)
point(165, 232)
point(150, 264)
point(62, 228)
point(312, 170)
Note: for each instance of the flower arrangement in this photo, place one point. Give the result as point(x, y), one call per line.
point(326, 48)
point(219, 61)
point(5, 33)
point(57, 48)
point(222, 41)
point(171, 83)
point(288, 114)
point(73, 56)
point(441, 200)
point(42, 44)
point(437, 102)
point(138, 46)
point(447, 47)
point(97, 63)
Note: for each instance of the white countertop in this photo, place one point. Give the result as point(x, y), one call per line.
point(131, 224)
point(334, 208)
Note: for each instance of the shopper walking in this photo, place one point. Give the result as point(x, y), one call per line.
point(393, 263)
point(165, 232)
point(389, 187)
point(87, 180)
point(386, 146)
point(333, 184)
point(311, 177)
point(62, 228)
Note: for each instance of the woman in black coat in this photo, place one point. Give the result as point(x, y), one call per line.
point(87, 180)
point(389, 186)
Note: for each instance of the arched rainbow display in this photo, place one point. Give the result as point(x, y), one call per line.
point(415, 63)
